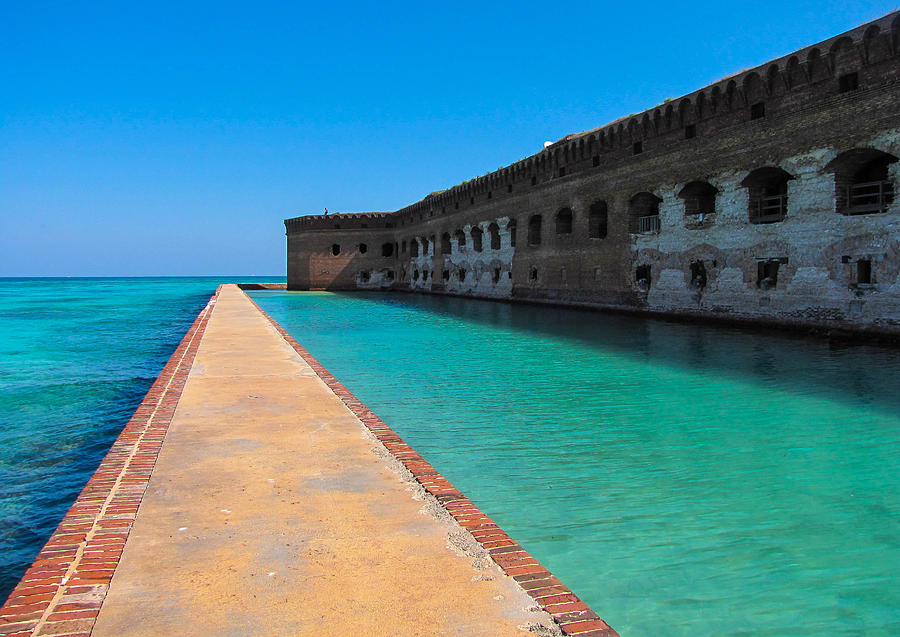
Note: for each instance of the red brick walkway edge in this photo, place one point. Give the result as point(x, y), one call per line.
point(573, 615)
point(61, 593)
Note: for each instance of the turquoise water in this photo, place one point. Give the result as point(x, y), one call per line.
point(684, 480)
point(76, 358)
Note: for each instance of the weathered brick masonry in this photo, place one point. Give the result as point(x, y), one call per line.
point(767, 196)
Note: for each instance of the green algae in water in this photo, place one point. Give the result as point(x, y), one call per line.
point(680, 479)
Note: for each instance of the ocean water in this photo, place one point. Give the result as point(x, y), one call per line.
point(76, 358)
point(683, 480)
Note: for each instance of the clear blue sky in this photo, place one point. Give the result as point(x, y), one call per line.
point(158, 138)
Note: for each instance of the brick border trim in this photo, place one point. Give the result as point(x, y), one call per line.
point(63, 590)
point(573, 616)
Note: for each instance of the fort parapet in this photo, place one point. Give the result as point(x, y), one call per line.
point(767, 196)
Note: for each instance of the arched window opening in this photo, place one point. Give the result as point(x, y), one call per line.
point(389, 275)
point(642, 277)
point(643, 213)
point(699, 199)
point(414, 247)
point(445, 243)
point(698, 275)
point(424, 247)
point(511, 228)
point(387, 249)
point(534, 230)
point(461, 240)
point(415, 275)
point(363, 248)
point(335, 249)
point(476, 233)
point(496, 276)
point(767, 273)
point(564, 221)
point(461, 274)
point(533, 274)
point(768, 194)
point(364, 276)
point(494, 230)
point(445, 275)
point(862, 183)
point(598, 220)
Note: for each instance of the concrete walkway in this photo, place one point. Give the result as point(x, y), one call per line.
point(272, 511)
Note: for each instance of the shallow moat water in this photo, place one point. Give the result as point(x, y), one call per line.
point(76, 358)
point(682, 479)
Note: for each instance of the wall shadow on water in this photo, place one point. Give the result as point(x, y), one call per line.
point(856, 373)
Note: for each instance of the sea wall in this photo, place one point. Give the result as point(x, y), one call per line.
point(767, 196)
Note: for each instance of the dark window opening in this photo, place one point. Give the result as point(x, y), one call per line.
point(758, 110)
point(533, 274)
point(698, 275)
point(848, 82)
point(767, 274)
point(864, 272)
point(596, 160)
point(862, 181)
point(564, 221)
point(494, 230)
point(335, 249)
point(471, 201)
point(562, 171)
point(445, 243)
point(511, 228)
point(768, 197)
point(456, 205)
point(414, 248)
point(363, 248)
point(445, 275)
point(598, 220)
point(496, 277)
point(415, 275)
point(424, 247)
point(403, 247)
point(365, 225)
point(637, 148)
point(509, 188)
point(425, 275)
point(364, 276)
point(387, 249)
point(490, 194)
point(690, 131)
point(461, 275)
point(389, 275)
point(643, 213)
point(534, 181)
point(699, 199)
point(476, 233)
point(460, 237)
point(534, 230)
point(642, 277)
